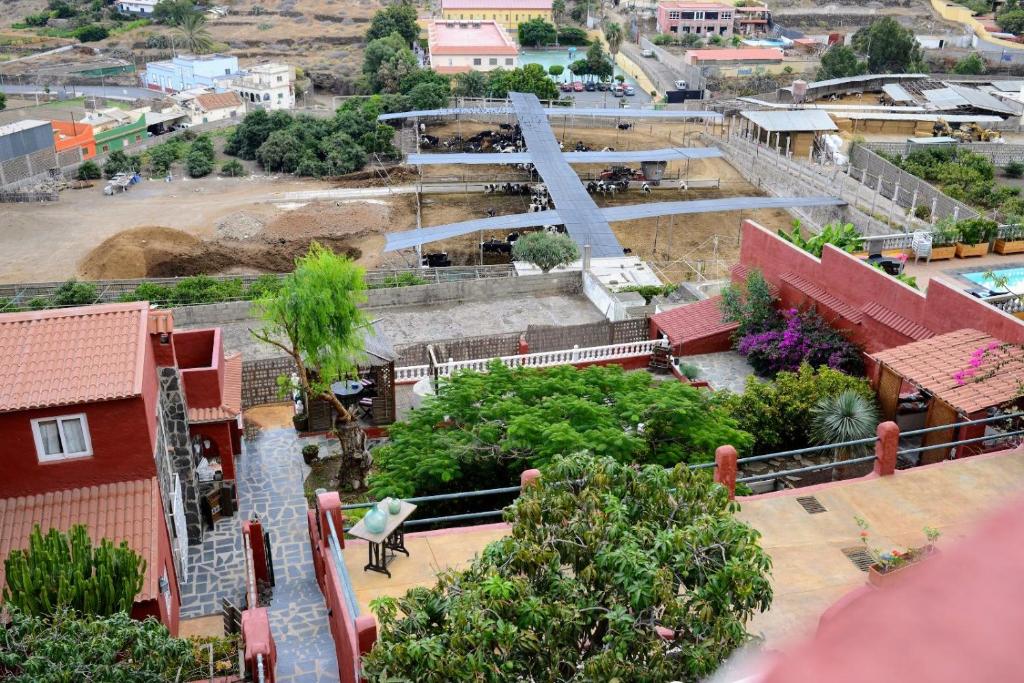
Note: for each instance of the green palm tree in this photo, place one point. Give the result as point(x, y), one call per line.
point(613, 34)
point(847, 416)
point(194, 34)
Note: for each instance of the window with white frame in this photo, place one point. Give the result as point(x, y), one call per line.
point(62, 437)
point(493, 61)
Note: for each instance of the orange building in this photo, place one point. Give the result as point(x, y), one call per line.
point(71, 135)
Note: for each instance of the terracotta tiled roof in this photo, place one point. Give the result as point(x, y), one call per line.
point(931, 364)
point(220, 100)
point(71, 355)
point(161, 321)
point(231, 398)
point(693, 321)
point(126, 511)
point(897, 322)
point(821, 296)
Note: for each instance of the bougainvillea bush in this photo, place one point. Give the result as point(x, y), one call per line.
point(801, 338)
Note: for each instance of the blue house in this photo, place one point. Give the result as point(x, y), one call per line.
point(189, 71)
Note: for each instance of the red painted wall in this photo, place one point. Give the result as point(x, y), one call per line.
point(122, 446)
point(200, 355)
point(221, 434)
point(163, 353)
point(158, 608)
point(941, 309)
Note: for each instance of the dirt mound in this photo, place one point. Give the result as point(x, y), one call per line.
point(132, 253)
point(240, 226)
point(343, 217)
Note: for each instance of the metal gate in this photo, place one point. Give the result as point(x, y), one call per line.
point(180, 527)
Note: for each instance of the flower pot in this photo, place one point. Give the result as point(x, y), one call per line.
point(301, 422)
point(1009, 246)
point(943, 253)
point(968, 250)
point(878, 578)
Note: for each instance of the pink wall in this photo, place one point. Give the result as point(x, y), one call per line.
point(941, 309)
point(223, 435)
point(168, 616)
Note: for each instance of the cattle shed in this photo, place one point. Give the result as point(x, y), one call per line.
point(788, 131)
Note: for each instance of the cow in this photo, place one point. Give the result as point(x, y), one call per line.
point(625, 126)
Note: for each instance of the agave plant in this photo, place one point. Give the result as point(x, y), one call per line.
point(847, 416)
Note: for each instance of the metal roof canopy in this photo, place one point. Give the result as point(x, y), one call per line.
point(795, 121)
point(862, 79)
point(944, 97)
point(896, 92)
point(559, 111)
point(411, 238)
point(668, 154)
point(950, 118)
point(982, 100)
point(580, 215)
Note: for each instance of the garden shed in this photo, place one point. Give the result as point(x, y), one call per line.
point(962, 375)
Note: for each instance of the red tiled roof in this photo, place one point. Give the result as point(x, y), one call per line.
point(821, 296)
point(126, 511)
point(231, 398)
point(469, 38)
point(930, 364)
point(219, 100)
point(693, 321)
point(897, 322)
point(71, 355)
point(161, 321)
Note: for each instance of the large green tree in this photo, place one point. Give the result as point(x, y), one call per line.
point(483, 429)
point(545, 250)
point(889, 47)
point(173, 11)
point(609, 573)
point(613, 34)
point(315, 319)
point(840, 61)
point(1011, 20)
point(598, 63)
point(530, 78)
point(470, 84)
point(398, 18)
point(536, 32)
point(66, 571)
point(386, 61)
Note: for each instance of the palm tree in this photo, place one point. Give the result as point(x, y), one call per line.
point(193, 32)
point(847, 416)
point(613, 34)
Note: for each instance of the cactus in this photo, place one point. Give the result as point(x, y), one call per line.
point(65, 571)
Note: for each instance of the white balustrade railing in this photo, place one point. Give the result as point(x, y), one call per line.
point(543, 359)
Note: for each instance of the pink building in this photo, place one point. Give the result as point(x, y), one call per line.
point(710, 19)
point(459, 46)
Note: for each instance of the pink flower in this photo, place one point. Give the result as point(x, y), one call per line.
point(976, 362)
point(993, 345)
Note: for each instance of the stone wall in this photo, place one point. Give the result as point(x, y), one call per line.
point(998, 154)
point(175, 421)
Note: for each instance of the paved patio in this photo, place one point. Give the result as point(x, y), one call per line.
point(270, 477)
point(944, 270)
point(724, 370)
point(810, 571)
point(429, 553)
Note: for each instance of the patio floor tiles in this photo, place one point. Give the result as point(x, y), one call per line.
point(270, 477)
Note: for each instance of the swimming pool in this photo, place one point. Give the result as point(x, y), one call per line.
point(782, 42)
point(564, 58)
point(1014, 278)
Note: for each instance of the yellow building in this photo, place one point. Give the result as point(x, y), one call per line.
point(508, 13)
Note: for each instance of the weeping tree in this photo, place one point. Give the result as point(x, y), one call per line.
point(315, 318)
point(67, 572)
point(847, 416)
point(610, 572)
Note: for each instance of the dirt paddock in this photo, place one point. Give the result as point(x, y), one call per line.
point(225, 226)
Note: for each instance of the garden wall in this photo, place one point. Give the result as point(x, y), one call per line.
point(999, 154)
point(879, 311)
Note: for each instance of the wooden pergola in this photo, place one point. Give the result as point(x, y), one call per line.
point(960, 382)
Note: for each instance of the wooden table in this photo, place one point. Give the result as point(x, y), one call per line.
point(392, 539)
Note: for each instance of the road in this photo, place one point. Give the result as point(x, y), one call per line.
point(112, 91)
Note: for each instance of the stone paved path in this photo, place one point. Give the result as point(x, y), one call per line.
point(724, 370)
point(270, 475)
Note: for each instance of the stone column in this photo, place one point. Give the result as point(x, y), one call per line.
point(725, 468)
point(175, 419)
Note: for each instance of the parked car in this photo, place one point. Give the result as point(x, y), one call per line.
point(603, 86)
point(590, 86)
point(565, 87)
point(617, 91)
point(680, 85)
point(646, 53)
point(577, 86)
point(629, 90)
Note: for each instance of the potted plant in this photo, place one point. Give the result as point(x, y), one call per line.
point(887, 566)
point(310, 452)
point(301, 422)
point(975, 234)
point(1011, 238)
point(944, 238)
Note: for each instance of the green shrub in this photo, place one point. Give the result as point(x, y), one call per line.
point(264, 285)
point(779, 413)
point(198, 164)
point(37, 20)
point(648, 292)
point(232, 169)
point(923, 211)
point(406, 279)
point(975, 231)
point(74, 293)
point(89, 171)
point(91, 33)
point(1014, 169)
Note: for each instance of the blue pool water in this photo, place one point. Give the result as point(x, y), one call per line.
point(563, 57)
point(768, 43)
point(1014, 276)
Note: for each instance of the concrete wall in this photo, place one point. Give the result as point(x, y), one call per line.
point(999, 154)
point(27, 169)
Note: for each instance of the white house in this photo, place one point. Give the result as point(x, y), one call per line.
point(206, 106)
point(458, 46)
point(265, 86)
point(136, 6)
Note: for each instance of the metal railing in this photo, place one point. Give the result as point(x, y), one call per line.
point(334, 544)
point(441, 519)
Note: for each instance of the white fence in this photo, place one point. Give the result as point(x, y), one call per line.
point(591, 354)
